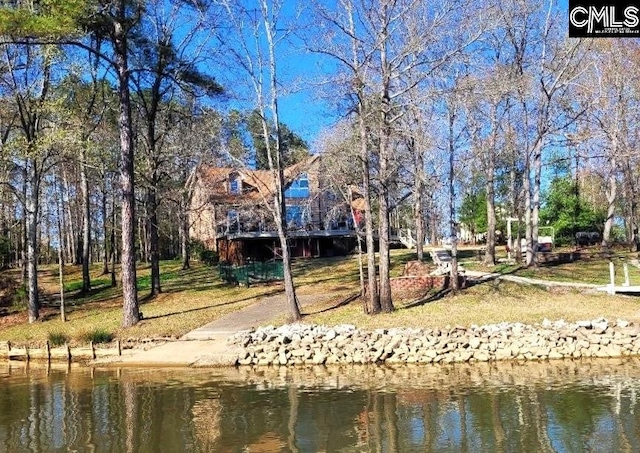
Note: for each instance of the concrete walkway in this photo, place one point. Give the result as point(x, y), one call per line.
point(207, 345)
point(481, 277)
point(260, 313)
point(548, 283)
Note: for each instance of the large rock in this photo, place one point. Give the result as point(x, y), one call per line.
point(299, 343)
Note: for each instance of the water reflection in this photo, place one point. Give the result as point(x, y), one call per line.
point(551, 407)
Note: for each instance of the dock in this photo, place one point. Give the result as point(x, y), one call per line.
point(620, 289)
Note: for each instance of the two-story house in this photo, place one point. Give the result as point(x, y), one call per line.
point(230, 213)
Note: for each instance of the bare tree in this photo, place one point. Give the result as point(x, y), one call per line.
point(28, 79)
point(342, 170)
point(456, 134)
point(489, 107)
point(611, 129)
point(87, 96)
point(257, 34)
point(167, 72)
point(391, 50)
point(545, 68)
point(63, 314)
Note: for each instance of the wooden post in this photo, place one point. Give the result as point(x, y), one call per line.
point(119, 347)
point(612, 277)
point(626, 274)
point(93, 350)
point(48, 346)
point(26, 352)
point(68, 353)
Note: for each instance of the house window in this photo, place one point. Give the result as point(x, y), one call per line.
point(296, 216)
point(234, 187)
point(299, 188)
point(233, 220)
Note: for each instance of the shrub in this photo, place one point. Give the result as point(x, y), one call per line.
point(195, 248)
point(20, 297)
point(209, 257)
point(57, 338)
point(97, 335)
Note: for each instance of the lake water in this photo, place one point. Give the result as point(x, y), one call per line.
point(549, 407)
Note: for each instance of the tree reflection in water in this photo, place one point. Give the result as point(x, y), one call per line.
point(547, 407)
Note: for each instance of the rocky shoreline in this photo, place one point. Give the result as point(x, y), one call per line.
point(300, 344)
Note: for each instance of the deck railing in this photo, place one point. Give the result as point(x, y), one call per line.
point(252, 272)
point(253, 227)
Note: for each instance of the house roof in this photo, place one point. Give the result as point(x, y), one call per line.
point(263, 181)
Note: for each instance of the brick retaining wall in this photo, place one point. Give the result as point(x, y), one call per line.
point(415, 286)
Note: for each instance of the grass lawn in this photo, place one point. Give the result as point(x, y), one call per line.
point(190, 298)
point(196, 296)
point(595, 271)
point(489, 303)
point(500, 301)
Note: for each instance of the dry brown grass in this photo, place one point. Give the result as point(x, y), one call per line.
point(190, 299)
point(489, 303)
point(195, 297)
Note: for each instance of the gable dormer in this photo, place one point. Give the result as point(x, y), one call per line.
point(299, 187)
point(234, 183)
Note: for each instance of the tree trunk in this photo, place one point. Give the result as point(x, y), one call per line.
point(384, 259)
point(490, 254)
point(535, 209)
point(386, 301)
point(515, 245)
point(526, 184)
point(372, 301)
point(32, 242)
point(289, 288)
point(143, 252)
point(276, 165)
point(152, 206)
point(46, 219)
point(356, 228)
point(433, 222)
point(131, 314)
point(86, 223)
point(105, 227)
point(112, 242)
point(373, 297)
point(63, 314)
point(635, 240)
point(611, 200)
point(418, 195)
point(454, 284)
point(184, 234)
point(24, 235)
point(71, 243)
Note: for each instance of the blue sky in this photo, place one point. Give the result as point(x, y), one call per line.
point(304, 111)
point(301, 106)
